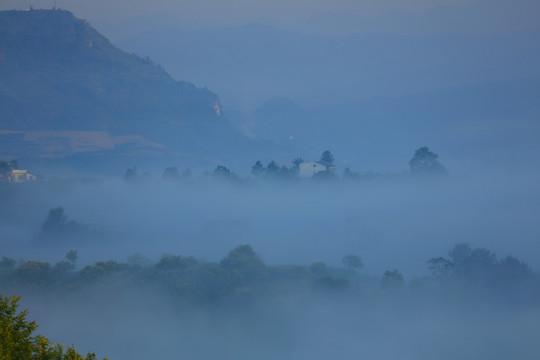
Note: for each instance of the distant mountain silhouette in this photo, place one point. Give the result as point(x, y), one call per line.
point(64, 89)
point(250, 64)
point(491, 124)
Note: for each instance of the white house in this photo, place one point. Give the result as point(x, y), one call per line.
point(18, 176)
point(308, 169)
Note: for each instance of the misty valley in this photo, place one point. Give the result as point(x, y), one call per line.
point(215, 265)
point(269, 180)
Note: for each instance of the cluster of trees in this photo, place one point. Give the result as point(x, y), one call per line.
point(259, 171)
point(424, 162)
point(132, 175)
point(239, 276)
point(17, 341)
point(273, 170)
point(35, 272)
point(243, 272)
point(480, 267)
point(57, 228)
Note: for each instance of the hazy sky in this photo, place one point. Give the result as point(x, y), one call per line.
point(232, 10)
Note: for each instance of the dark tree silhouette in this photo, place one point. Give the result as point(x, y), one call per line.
point(272, 168)
point(4, 167)
point(222, 171)
point(296, 163)
point(425, 161)
point(246, 263)
point(352, 261)
point(392, 279)
point(327, 157)
point(257, 170)
point(55, 220)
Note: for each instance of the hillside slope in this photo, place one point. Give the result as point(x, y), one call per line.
point(64, 88)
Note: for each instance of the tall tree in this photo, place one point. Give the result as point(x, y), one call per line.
point(296, 163)
point(4, 167)
point(257, 170)
point(327, 157)
point(425, 161)
point(55, 219)
point(392, 279)
point(272, 168)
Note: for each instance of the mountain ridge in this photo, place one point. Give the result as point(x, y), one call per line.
point(60, 77)
point(314, 69)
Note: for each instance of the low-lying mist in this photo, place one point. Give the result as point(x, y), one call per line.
point(298, 229)
point(302, 325)
point(390, 222)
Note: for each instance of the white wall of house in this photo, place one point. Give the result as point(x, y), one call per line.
point(18, 176)
point(308, 169)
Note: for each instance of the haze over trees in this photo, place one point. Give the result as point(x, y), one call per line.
point(220, 255)
point(242, 271)
point(425, 161)
point(242, 289)
point(58, 229)
point(263, 191)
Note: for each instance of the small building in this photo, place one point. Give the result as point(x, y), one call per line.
point(19, 176)
point(309, 169)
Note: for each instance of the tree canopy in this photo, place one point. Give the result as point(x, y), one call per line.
point(327, 157)
point(55, 219)
point(257, 169)
point(392, 279)
point(352, 261)
point(296, 163)
point(425, 161)
point(17, 342)
point(4, 167)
